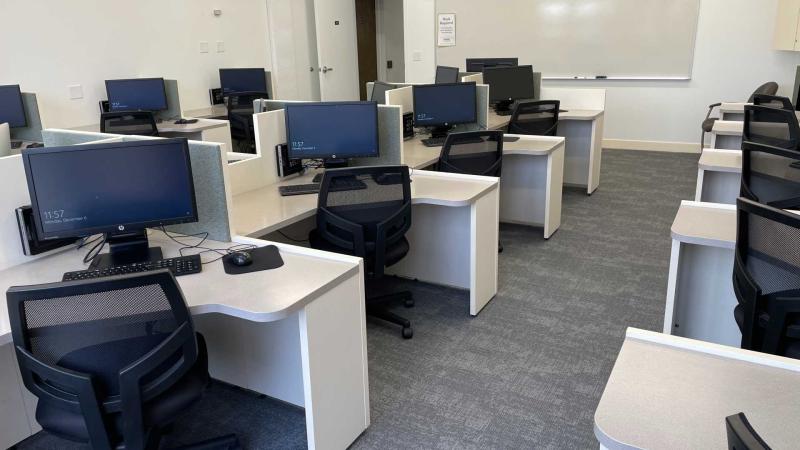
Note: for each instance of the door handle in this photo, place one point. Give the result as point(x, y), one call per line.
point(326, 69)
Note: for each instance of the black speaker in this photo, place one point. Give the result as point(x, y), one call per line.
point(31, 244)
point(286, 166)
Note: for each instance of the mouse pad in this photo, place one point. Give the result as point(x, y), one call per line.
point(264, 258)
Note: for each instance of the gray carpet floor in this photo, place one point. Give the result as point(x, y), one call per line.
point(529, 371)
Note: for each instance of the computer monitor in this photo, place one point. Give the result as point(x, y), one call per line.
point(333, 131)
point(478, 64)
point(118, 189)
point(796, 96)
point(12, 110)
point(242, 80)
point(379, 89)
point(446, 75)
point(507, 84)
point(441, 106)
point(136, 94)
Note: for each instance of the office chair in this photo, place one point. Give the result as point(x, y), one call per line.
point(113, 361)
point(771, 126)
point(140, 123)
point(535, 118)
point(742, 435)
point(240, 116)
point(771, 175)
point(774, 101)
point(473, 153)
point(370, 223)
point(769, 88)
point(766, 279)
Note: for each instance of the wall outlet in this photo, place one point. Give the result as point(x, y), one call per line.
point(220, 47)
point(203, 47)
point(416, 56)
point(75, 91)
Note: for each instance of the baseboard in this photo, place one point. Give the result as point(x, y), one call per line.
point(651, 146)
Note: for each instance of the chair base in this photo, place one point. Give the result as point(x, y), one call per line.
point(376, 308)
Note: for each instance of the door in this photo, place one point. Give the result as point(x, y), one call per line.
point(337, 52)
point(294, 49)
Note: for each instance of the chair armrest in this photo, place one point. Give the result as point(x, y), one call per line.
point(714, 105)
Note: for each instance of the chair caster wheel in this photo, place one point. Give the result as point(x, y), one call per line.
point(409, 303)
point(408, 333)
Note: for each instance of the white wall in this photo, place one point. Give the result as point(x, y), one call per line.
point(48, 45)
point(733, 55)
point(419, 35)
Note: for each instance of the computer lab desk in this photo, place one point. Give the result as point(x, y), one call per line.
point(667, 392)
point(531, 181)
point(209, 130)
point(719, 176)
point(583, 130)
point(453, 235)
point(296, 333)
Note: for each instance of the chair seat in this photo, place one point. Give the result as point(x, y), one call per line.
point(708, 124)
point(105, 362)
point(394, 252)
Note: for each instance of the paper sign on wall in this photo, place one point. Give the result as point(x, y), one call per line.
point(447, 30)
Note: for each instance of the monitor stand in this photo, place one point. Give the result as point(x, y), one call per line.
point(127, 249)
point(441, 131)
point(503, 108)
point(329, 163)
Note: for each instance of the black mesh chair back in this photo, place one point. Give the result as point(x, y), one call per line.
point(535, 118)
point(102, 349)
point(473, 153)
point(766, 278)
point(771, 175)
point(773, 101)
point(771, 126)
point(741, 435)
point(140, 123)
point(768, 88)
point(364, 211)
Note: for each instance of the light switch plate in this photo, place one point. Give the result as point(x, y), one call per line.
point(220, 47)
point(203, 47)
point(416, 56)
point(75, 91)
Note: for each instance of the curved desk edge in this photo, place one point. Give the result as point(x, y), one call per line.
point(702, 223)
point(719, 160)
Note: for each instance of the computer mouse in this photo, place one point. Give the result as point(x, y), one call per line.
point(241, 259)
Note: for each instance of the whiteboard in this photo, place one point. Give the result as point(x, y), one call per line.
point(648, 39)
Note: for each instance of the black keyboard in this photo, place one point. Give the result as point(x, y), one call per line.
point(16, 144)
point(504, 112)
point(341, 184)
point(182, 265)
point(439, 141)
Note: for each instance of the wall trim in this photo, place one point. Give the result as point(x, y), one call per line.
point(651, 146)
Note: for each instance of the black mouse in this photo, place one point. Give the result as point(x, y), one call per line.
point(241, 259)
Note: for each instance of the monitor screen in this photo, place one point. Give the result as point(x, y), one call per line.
point(138, 94)
point(379, 90)
point(110, 188)
point(332, 130)
point(478, 64)
point(444, 104)
point(445, 75)
point(509, 83)
point(12, 111)
point(242, 80)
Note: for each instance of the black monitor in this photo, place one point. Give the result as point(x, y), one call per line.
point(379, 89)
point(136, 94)
point(507, 84)
point(446, 75)
point(478, 64)
point(333, 131)
point(441, 106)
point(12, 110)
point(118, 189)
point(242, 80)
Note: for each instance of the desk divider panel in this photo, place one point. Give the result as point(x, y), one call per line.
point(576, 98)
point(54, 137)
point(32, 132)
point(390, 138)
point(173, 110)
point(403, 97)
point(249, 174)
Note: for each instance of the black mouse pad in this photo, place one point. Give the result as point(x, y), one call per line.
point(264, 258)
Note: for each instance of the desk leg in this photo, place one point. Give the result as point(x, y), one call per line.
point(530, 190)
point(555, 187)
point(596, 154)
point(698, 191)
point(583, 152)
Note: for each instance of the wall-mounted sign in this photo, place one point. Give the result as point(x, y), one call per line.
point(447, 30)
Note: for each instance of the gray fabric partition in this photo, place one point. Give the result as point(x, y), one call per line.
point(56, 137)
point(482, 104)
point(390, 138)
point(33, 132)
point(173, 110)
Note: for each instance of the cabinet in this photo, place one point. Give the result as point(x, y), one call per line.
point(786, 25)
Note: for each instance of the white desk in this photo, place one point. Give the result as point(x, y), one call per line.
point(313, 306)
point(727, 134)
point(531, 181)
point(583, 130)
point(700, 297)
point(207, 130)
point(719, 176)
point(672, 393)
point(732, 111)
point(453, 235)
point(209, 112)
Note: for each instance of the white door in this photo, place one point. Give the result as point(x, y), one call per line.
point(294, 45)
point(337, 51)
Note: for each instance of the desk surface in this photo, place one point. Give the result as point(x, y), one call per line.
point(717, 160)
point(728, 127)
point(496, 122)
point(208, 112)
point(169, 126)
point(667, 392)
point(264, 210)
point(417, 155)
point(733, 107)
point(700, 223)
point(259, 296)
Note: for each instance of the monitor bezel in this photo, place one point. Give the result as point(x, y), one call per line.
point(261, 69)
point(109, 230)
point(493, 99)
point(21, 106)
point(433, 86)
point(164, 90)
point(329, 155)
